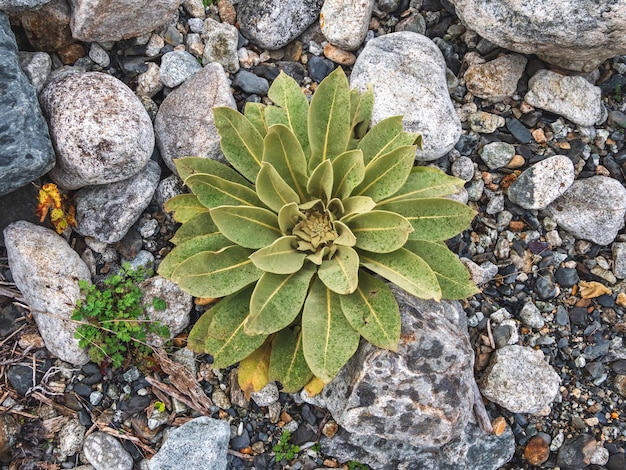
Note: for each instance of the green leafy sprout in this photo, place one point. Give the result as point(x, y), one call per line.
point(354, 465)
point(113, 317)
point(284, 449)
point(297, 235)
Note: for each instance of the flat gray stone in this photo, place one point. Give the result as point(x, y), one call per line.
point(497, 154)
point(520, 380)
point(176, 67)
point(619, 259)
point(345, 22)
point(496, 79)
point(272, 24)
point(408, 74)
point(46, 271)
point(118, 19)
point(100, 130)
point(106, 212)
point(105, 452)
point(542, 183)
point(198, 444)
point(220, 45)
point(37, 67)
point(592, 209)
point(184, 125)
point(571, 97)
point(26, 151)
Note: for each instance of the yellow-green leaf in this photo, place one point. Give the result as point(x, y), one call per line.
point(329, 118)
point(434, 219)
point(357, 205)
point(291, 109)
point(348, 171)
point(201, 224)
point(216, 274)
point(199, 332)
point(346, 237)
point(406, 270)
point(241, 142)
point(228, 313)
point(213, 191)
point(273, 190)
point(287, 363)
point(453, 276)
point(372, 310)
point(328, 340)
point(426, 182)
point(320, 184)
point(188, 166)
point(386, 174)
point(281, 257)
point(380, 231)
point(284, 152)
point(341, 273)
point(190, 247)
point(288, 216)
point(250, 227)
point(277, 300)
point(185, 207)
point(255, 112)
point(253, 373)
point(384, 137)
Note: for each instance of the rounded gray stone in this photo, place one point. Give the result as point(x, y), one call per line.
point(497, 154)
point(267, 395)
point(220, 44)
point(345, 24)
point(48, 280)
point(176, 67)
point(105, 452)
point(496, 79)
point(408, 75)
point(100, 130)
point(542, 183)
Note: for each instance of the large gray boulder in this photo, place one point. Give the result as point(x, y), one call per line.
point(26, 152)
point(421, 394)
point(573, 34)
point(46, 271)
point(21, 5)
point(100, 130)
point(408, 74)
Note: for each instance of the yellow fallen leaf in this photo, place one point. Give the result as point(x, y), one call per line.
point(62, 213)
point(253, 372)
point(593, 289)
point(314, 386)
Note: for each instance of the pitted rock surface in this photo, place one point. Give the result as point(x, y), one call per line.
point(48, 28)
point(272, 24)
point(345, 23)
point(106, 212)
point(105, 452)
point(47, 271)
point(26, 152)
point(119, 19)
point(408, 74)
point(573, 34)
point(184, 125)
point(99, 128)
point(220, 45)
point(423, 393)
point(496, 79)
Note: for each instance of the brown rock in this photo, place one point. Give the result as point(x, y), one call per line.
point(9, 428)
point(620, 384)
point(71, 53)
point(227, 11)
point(338, 55)
point(293, 51)
point(537, 451)
point(48, 29)
point(496, 79)
point(498, 425)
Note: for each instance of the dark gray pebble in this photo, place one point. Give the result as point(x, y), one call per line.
point(606, 300)
point(595, 369)
point(82, 389)
point(135, 404)
point(269, 72)
point(90, 368)
point(578, 316)
point(616, 462)
point(294, 69)
point(575, 453)
point(92, 379)
point(8, 320)
point(319, 68)
point(545, 288)
point(596, 351)
point(619, 367)
point(303, 434)
point(251, 83)
point(21, 378)
point(467, 144)
point(240, 442)
point(566, 277)
point(561, 316)
point(519, 131)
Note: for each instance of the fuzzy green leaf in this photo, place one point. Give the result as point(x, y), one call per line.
point(361, 106)
point(291, 109)
point(386, 174)
point(185, 207)
point(341, 273)
point(357, 205)
point(213, 191)
point(346, 237)
point(284, 152)
point(373, 311)
point(241, 142)
point(209, 274)
point(328, 340)
point(188, 166)
point(384, 137)
point(434, 219)
point(280, 257)
point(406, 270)
point(273, 190)
point(190, 247)
point(228, 313)
point(380, 231)
point(201, 224)
point(426, 182)
point(277, 300)
point(250, 227)
point(329, 118)
point(348, 171)
point(255, 112)
point(287, 362)
point(199, 332)
point(288, 216)
point(453, 276)
point(320, 184)
point(253, 373)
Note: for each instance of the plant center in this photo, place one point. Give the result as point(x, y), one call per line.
point(315, 231)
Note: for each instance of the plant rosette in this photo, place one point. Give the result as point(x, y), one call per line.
point(297, 235)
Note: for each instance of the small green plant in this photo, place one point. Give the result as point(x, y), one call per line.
point(284, 449)
point(294, 236)
point(206, 3)
point(115, 318)
point(354, 465)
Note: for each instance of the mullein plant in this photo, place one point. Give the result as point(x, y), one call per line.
point(300, 234)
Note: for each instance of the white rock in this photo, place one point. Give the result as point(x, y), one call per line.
point(46, 271)
point(149, 83)
point(408, 74)
point(105, 452)
point(70, 439)
point(220, 44)
point(176, 67)
point(267, 395)
point(100, 130)
point(496, 79)
point(571, 97)
point(345, 22)
point(531, 316)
